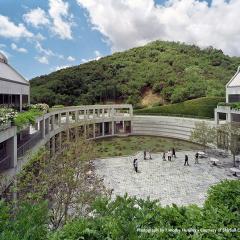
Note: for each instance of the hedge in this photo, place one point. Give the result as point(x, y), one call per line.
point(200, 108)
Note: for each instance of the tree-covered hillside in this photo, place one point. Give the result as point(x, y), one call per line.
point(173, 71)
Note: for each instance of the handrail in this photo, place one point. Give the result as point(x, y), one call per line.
point(28, 145)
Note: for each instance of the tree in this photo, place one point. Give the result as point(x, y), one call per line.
point(66, 181)
point(229, 138)
point(203, 134)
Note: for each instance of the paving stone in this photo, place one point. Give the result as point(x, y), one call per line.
point(169, 182)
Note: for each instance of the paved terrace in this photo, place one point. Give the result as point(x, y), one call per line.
point(169, 182)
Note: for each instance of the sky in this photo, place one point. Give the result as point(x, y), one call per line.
point(42, 36)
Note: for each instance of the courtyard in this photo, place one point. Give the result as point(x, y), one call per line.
point(168, 182)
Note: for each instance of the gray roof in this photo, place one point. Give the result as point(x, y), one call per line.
point(235, 81)
point(9, 73)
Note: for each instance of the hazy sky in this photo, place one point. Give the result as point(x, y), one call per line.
point(42, 36)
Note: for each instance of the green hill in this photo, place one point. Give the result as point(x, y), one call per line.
point(174, 72)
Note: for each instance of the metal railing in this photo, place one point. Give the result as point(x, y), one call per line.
point(5, 163)
point(28, 144)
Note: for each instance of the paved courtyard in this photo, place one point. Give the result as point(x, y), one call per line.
point(169, 182)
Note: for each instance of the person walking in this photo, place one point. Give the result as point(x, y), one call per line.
point(135, 164)
point(173, 153)
point(164, 156)
point(196, 158)
point(186, 160)
point(150, 155)
point(144, 154)
point(169, 155)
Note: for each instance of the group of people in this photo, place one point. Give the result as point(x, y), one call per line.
point(196, 159)
point(170, 154)
point(135, 160)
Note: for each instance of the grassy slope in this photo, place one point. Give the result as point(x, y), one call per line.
point(202, 107)
point(175, 71)
point(126, 146)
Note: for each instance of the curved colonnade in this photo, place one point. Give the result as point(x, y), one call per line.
point(66, 124)
point(93, 122)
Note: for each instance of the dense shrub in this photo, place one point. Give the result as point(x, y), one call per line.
point(25, 118)
point(26, 222)
point(131, 218)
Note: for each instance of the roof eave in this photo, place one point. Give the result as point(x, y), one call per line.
point(238, 70)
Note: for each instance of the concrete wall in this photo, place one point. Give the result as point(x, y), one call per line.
point(173, 127)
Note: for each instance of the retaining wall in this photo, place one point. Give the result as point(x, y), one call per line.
point(173, 127)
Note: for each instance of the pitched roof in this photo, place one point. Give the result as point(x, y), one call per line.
point(9, 73)
point(235, 81)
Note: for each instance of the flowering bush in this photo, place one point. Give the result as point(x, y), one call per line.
point(7, 115)
point(25, 118)
point(40, 106)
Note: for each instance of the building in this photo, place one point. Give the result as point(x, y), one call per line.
point(228, 112)
point(233, 88)
point(14, 88)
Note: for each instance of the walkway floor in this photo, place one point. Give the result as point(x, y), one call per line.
point(169, 182)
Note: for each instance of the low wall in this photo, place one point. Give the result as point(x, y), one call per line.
point(165, 126)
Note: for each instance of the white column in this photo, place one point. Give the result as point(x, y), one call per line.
point(20, 102)
point(76, 116)
point(123, 126)
point(103, 129)
point(94, 130)
point(67, 118)
point(216, 117)
point(112, 127)
point(229, 117)
point(59, 119)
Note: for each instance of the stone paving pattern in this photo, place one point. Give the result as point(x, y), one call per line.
point(169, 182)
